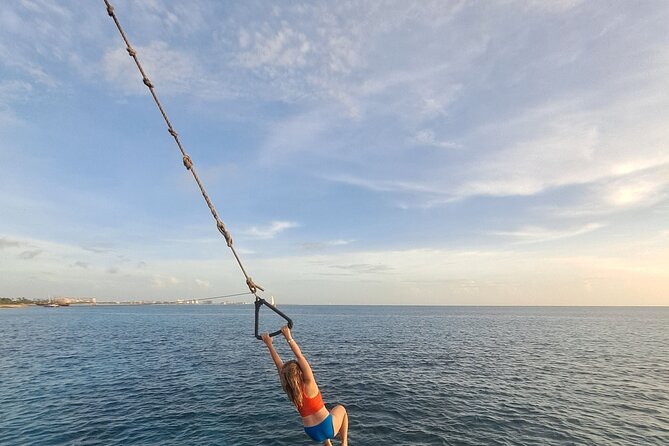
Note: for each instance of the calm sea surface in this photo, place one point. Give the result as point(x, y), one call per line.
point(194, 375)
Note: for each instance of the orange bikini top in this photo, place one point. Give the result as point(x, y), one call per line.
point(310, 405)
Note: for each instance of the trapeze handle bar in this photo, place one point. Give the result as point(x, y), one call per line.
point(259, 303)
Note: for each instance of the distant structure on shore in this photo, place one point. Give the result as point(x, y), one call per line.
point(166, 302)
point(187, 302)
point(60, 301)
point(65, 301)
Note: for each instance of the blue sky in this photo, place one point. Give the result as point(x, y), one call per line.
point(483, 153)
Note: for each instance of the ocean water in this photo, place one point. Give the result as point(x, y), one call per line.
point(195, 375)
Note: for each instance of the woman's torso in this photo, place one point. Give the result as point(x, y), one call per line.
point(312, 398)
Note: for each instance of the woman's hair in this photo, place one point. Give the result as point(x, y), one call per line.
point(292, 382)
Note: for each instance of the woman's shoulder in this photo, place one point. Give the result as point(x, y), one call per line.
point(311, 388)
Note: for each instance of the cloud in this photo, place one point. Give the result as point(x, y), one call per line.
point(385, 185)
point(306, 133)
point(42, 34)
point(29, 255)
point(284, 47)
point(96, 249)
point(202, 283)
point(271, 231)
point(171, 70)
point(533, 234)
point(12, 92)
point(427, 138)
point(9, 243)
point(637, 190)
point(624, 271)
point(319, 246)
point(571, 143)
point(44, 7)
point(364, 268)
point(159, 281)
point(557, 6)
point(80, 264)
point(611, 146)
point(324, 52)
point(519, 136)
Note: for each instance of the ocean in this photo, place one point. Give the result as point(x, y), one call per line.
point(195, 375)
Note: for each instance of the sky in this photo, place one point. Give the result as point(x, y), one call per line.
point(359, 152)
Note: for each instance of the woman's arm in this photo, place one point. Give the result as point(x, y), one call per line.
point(301, 360)
point(275, 356)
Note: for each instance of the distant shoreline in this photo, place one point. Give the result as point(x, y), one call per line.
point(138, 304)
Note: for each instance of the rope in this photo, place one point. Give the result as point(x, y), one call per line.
point(224, 296)
point(188, 163)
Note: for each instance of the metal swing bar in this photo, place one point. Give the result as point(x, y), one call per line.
point(259, 303)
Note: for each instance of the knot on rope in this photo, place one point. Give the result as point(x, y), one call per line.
point(254, 287)
point(188, 163)
point(110, 10)
point(222, 230)
point(147, 82)
point(131, 51)
point(172, 132)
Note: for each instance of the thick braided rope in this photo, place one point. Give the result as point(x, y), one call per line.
point(188, 163)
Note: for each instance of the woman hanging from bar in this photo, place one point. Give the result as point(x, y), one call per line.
point(298, 382)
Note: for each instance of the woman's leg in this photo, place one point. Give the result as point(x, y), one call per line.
point(340, 423)
point(327, 443)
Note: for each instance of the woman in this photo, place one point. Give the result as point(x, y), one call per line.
point(298, 382)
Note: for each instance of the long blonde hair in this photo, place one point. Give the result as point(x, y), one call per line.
point(292, 382)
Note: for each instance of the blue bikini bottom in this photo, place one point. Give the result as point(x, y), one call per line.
point(322, 431)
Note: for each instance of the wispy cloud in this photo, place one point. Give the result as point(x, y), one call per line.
point(29, 255)
point(203, 283)
point(284, 47)
point(427, 137)
point(271, 231)
point(634, 190)
point(12, 92)
point(533, 234)
point(304, 133)
point(319, 246)
point(160, 281)
point(10, 243)
point(575, 136)
point(434, 276)
point(96, 249)
point(364, 268)
point(171, 70)
point(384, 185)
point(555, 6)
point(638, 190)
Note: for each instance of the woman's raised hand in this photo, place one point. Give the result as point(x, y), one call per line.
point(267, 339)
point(286, 332)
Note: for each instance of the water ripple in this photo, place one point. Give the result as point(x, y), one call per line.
point(407, 375)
